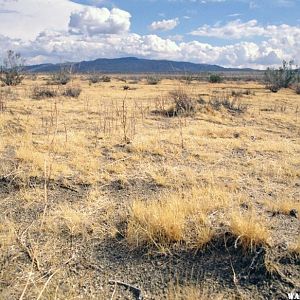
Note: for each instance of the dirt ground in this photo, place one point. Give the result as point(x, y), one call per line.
point(116, 195)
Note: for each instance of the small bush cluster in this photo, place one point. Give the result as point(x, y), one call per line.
point(105, 78)
point(215, 78)
point(217, 103)
point(282, 77)
point(241, 93)
point(96, 78)
point(183, 102)
point(41, 92)
point(72, 91)
point(62, 77)
point(153, 80)
point(11, 71)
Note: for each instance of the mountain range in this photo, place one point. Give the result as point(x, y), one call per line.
point(132, 65)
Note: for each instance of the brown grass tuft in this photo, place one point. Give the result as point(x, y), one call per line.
point(193, 292)
point(250, 230)
point(175, 219)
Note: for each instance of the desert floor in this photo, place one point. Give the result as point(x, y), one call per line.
point(111, 187)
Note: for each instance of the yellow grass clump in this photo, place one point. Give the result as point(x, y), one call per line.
point(284, 206)
point(177, 218)
point(193, 292)
point(295, 247)
point(250, 230)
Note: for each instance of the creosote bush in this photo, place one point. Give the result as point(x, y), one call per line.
point(97, 77)
point(231, 105)
point(94, 78)
point(11, 71)
point(41, 92)
point(153, 80)
point(183, 102)
point(62, 77)
point(282, 77)
point(72, 91)
point(105, 78)
point(215, 78)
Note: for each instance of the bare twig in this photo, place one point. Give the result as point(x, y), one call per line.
point(50, 277)
point(113, 294)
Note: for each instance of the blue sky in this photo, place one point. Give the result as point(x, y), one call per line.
point(235, 33)
point(144, 12)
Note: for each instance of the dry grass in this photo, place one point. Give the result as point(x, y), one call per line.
point(191, 292)
point(168, 220)
point(7, 235)
point(284, 206)
point(70, 170)
point(295, 247)
point(250, 230)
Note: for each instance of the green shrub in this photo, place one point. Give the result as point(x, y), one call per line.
point(215, 78)
point(283, 77)
point(153, 80)
point(11, 71)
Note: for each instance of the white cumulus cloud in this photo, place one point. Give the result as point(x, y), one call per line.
point(164, 24)
point(93, 21)
point(234, 30)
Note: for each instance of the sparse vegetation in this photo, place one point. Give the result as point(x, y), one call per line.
point(11, 72)
point(184, 103)
point(219, 102)
point(94, 78)
point(192, 292)
point(102, 188)
point(168, 221)
point(153, 80)
point(250, 231)
point(63, 76)
point(105, 78)
point(215, 78)
point(297, 89)
point(41, 92)
point(282, 77)
point(72, 91)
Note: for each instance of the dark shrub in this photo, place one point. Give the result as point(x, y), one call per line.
point(94, 78)
point(183, 102)
point(215, 78)
point(11, 71)
point(106, 78)
point(282, 77)
point(41, 92)
point(72, 91)
point(153, 80)
point(234, 105)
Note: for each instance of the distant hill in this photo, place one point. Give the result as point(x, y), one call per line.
point(132, 65)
